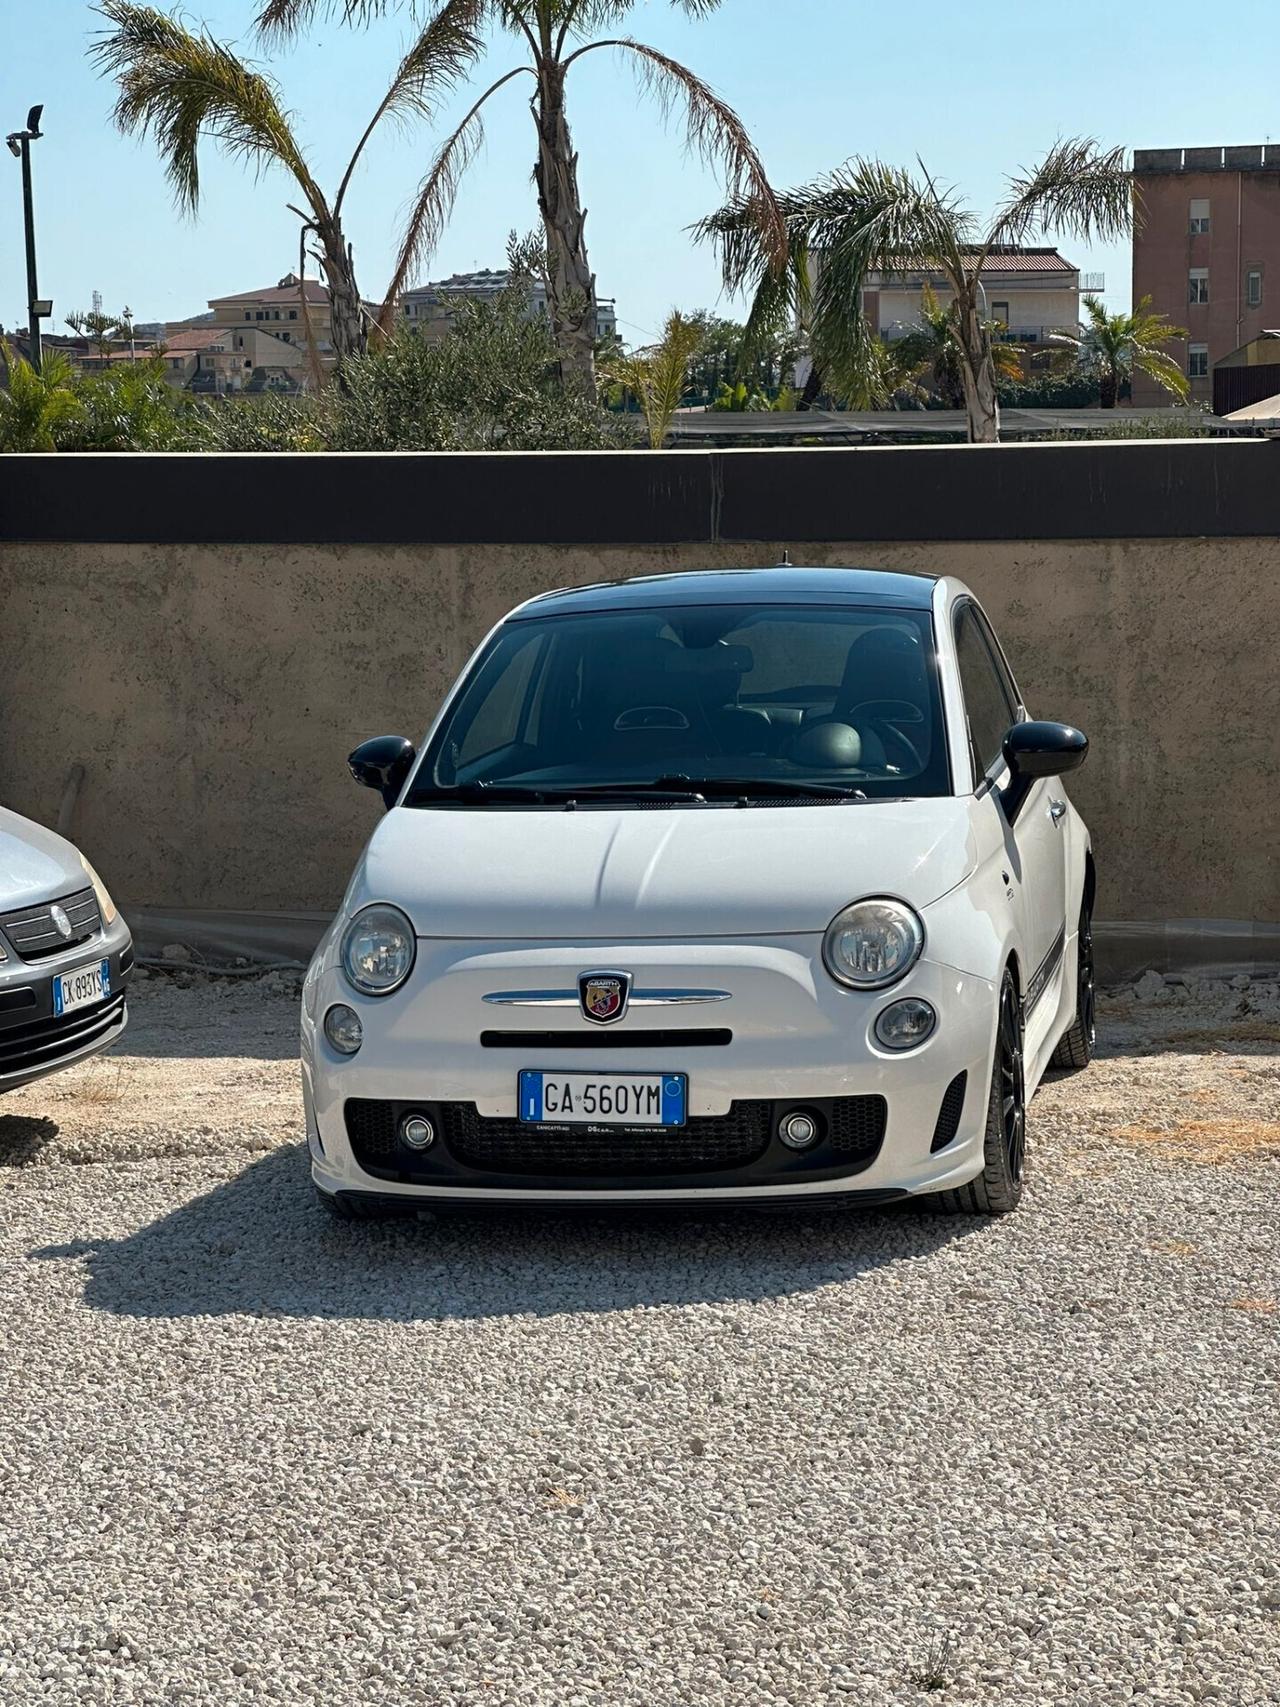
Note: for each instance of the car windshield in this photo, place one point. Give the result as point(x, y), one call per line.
point(691, 703)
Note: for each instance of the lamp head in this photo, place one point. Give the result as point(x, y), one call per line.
point(33, 122)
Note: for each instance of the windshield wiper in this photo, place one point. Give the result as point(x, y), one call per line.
point(746, 786)
point(564, 794)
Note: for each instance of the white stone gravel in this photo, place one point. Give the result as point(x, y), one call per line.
point(247, 1455)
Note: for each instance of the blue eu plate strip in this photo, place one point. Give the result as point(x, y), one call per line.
point(530, 1096)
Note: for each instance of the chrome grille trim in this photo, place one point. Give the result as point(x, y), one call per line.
point(571, 998)
point(32, 933)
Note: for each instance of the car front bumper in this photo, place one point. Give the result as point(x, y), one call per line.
point(797, 1040)
point(33, 1041)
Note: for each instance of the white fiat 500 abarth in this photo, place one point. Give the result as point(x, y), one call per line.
point(748, 885)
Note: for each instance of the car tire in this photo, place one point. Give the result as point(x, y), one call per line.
point(998, 1188)
point(1075, 1046)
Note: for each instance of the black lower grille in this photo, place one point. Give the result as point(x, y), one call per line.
point(857, 1125)
point(700, 1146)
point(854, 1128)
point(44, 1042)
point(948, 1123)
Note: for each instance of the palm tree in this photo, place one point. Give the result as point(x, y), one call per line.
point(183, 87)
point(658, 377)
point(556, 35)
point(35, 408)
point(931, 350)
point(1116, 345)
point(870, 218)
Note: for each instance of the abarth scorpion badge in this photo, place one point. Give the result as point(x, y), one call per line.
point(603, 996)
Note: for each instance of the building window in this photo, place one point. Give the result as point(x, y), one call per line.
point(247, 315)
point(1199, 217)
point(293, 314)
point(1253, 287)
point(1198, 285)
point(1198, 361)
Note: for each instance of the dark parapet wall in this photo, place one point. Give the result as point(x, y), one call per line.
point(1146, 489)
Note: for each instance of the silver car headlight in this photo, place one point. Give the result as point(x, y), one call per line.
point(377, 953)
point(106, 906)
point(873, 943)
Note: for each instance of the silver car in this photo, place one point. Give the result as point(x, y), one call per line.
point(65, 955)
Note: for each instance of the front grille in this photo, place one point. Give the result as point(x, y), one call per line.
point(691, 1037)
point(42, 1043)
point(948, 1123)
point(700, 1146)
point(707, 1144)
point(34, 935)
point(857, 1126)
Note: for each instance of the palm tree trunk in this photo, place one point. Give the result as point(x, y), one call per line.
point(346, 313)
point(571, 285)
point(1108, 387)
point(979, 375)
point(812, 387)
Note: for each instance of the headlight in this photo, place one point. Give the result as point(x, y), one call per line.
point(343, 1029)
point(106, 906)
point(377, 950)
point(905, 1024)
point(872, 943)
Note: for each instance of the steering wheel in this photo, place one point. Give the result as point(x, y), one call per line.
point(884, 715)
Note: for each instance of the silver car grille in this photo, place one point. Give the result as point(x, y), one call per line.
point(32, 933)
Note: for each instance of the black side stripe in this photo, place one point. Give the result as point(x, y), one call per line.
point(1044, 972)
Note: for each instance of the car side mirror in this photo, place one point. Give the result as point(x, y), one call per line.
point(1033, 750)
point(383, 763)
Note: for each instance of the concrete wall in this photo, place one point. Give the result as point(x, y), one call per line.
point(210, 636)
point(213, 693)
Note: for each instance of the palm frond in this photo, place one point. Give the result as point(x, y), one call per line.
point(181, 87)
point(871, 218)
point(280, 19)
point(1163, 369)
point(444, 51)
point(436, 195)
point(1079, 188)
point(659, 376)
point(712, 130)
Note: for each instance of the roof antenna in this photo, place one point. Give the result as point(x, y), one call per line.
point(786, 561)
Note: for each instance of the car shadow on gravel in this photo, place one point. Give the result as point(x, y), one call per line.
point(259, 1245)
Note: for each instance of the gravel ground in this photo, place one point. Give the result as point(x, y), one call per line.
point(248, 1455)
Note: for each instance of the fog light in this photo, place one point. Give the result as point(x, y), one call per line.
point(343, 1029)
point(417, 1132)
point(797, 1131)
point(905, 1024)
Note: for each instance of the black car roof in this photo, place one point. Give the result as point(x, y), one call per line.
point(784, 585)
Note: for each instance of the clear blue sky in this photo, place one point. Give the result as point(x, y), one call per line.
point(815, 80)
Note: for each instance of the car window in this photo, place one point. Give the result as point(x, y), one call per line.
point(998, 659)
point(777, 694)
point(988, 703)
point(500, 707)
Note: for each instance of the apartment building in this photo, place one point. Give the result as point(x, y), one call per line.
point(429, 310)
point(1206, 250)
point(1031, 292)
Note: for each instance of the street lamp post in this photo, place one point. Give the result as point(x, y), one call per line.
point(19, 142)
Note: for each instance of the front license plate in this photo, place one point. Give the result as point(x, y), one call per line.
point(602, 1099)
point(78, 989)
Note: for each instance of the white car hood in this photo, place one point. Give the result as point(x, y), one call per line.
point(619, 875)
point(35, 864)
